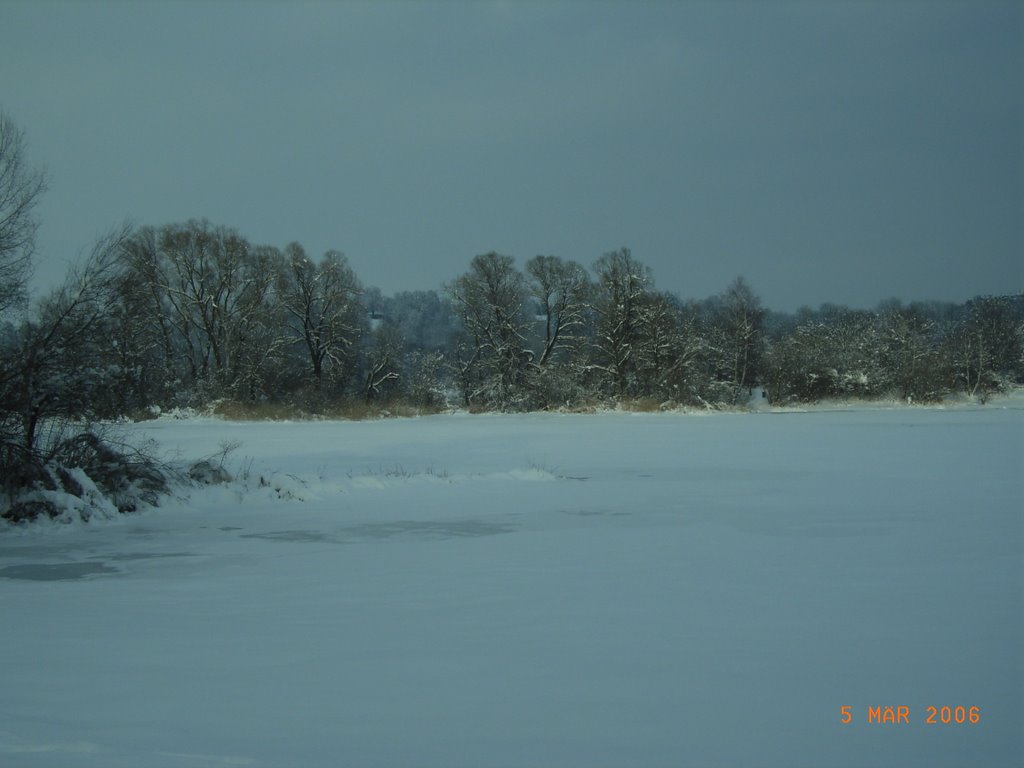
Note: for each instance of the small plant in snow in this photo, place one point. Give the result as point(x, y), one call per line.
point(211, 470)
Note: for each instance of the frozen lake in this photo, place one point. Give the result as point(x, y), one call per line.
point(538, 590)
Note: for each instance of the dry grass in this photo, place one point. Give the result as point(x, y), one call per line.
point(645, 405)
point(581, 407)
point(358, 410)
point(350, 410)
point(233, 410)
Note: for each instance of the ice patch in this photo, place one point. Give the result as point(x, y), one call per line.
point(428, 529)
point(207, 761)
point(74, 747)
point(415, 529)
point(307, 537)
point(55, 571)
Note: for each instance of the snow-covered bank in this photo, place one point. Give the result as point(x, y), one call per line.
point(613, 589)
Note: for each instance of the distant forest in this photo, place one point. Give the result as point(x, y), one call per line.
point(194, 315)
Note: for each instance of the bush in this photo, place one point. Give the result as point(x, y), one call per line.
point(126, 476)
point(21, 468)
point(82, 475)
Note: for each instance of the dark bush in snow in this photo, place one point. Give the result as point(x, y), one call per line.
point(127, 477)
point(21, 468)
point(27, 509)
point(80, 476)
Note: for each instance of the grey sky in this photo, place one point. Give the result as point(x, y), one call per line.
point(827, 151)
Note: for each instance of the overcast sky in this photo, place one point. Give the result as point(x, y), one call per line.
point(827, 151)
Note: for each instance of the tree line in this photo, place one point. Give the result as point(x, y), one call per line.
point(193, 313)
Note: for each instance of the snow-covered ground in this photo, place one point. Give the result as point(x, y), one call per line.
point(541, 590)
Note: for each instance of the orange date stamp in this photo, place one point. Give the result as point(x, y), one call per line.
point(900, 715)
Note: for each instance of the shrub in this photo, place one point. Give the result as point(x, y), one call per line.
point(84, 475)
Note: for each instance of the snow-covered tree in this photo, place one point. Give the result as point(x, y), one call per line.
point(324, 311)
point(562, 291)
point(835, 352)
point(986, 346)
point(493, 354)
point(258, 332)
point(910, 354)
point(211, 296)
point(736, 337)
point(383, 362)
point(668, 350)
point(621, 288)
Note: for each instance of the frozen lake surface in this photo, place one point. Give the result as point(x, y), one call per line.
point(537, 590)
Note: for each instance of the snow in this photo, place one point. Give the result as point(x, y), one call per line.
point(615, 589)
point(89, 504)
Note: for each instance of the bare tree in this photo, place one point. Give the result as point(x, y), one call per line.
point(55, 372)
point(256, 332)
point(666, 349)
point(987, 346)
point(493, 357)
point(836, 352)
point(132, 350)
point(20, 190)
point(737, 337)
point(211, 297)
point(53, 384)
point(322, 302)
point(561, 289)
point(146, 275)
point(910, 354)
point(622, 286)
point(207, 283)
point(383, 360)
